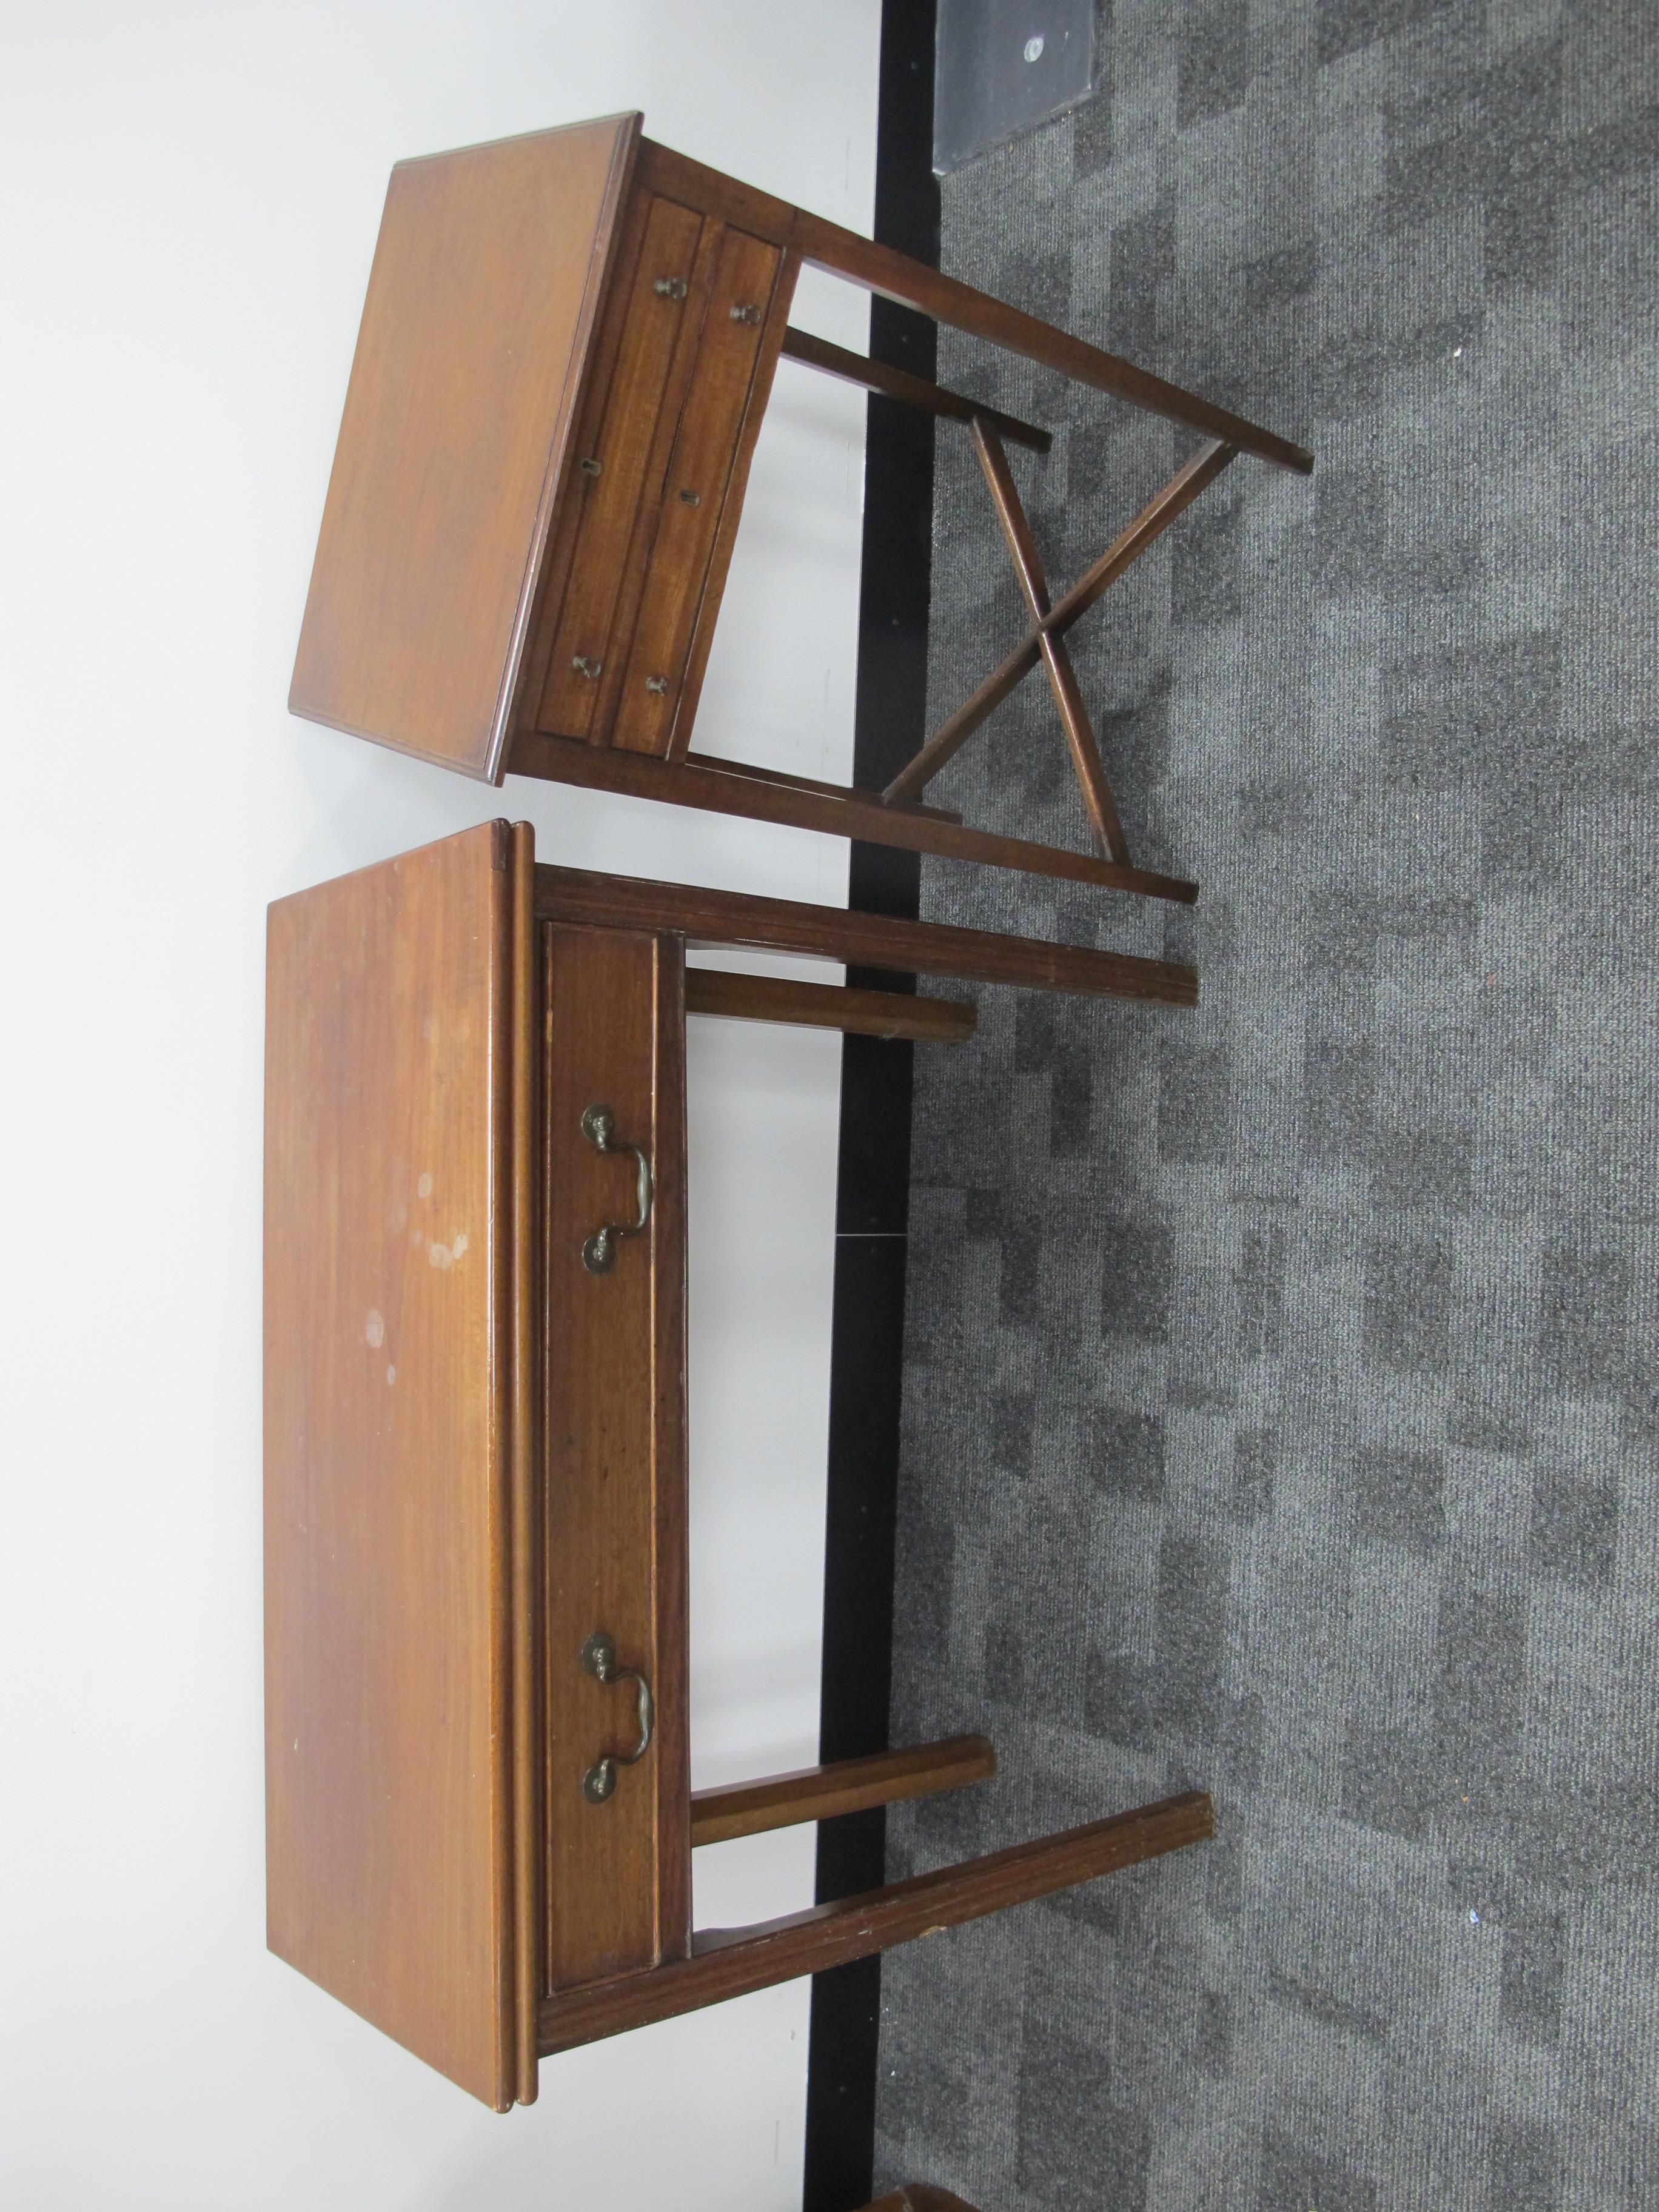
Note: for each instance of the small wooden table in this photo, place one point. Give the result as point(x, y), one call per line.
point(566, 353)
point(920, 2196)
point(480, 1822)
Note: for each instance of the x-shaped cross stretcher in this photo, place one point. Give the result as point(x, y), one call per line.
point(1050, 621)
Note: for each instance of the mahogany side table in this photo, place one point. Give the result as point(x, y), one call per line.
point(920, 2197)
point(566, 352)
point(479, 1817)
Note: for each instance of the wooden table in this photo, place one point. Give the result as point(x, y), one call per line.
point(566, 353)
point(480, 1822)
point(920, 2196)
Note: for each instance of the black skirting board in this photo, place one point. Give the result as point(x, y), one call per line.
point(872, 1198)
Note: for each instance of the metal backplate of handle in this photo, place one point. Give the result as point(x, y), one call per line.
point(599, 1252)
point(599, 1658)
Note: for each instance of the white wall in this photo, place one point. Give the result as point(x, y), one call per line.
point(191, 195)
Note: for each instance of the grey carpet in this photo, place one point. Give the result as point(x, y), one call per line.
point(1281, 1391)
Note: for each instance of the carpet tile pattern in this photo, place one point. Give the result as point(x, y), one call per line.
point(1281, 1384)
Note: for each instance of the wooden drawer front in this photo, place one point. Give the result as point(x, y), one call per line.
point(619, 1870)
point(700, 472)
point(608, 504)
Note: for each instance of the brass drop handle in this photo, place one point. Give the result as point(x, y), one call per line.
point(599, 1658)
point(599, 1252)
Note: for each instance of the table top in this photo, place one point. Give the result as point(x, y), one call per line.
point(486, 283)
point(388, 1459)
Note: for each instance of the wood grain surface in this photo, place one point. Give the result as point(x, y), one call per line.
point(476, 1461)
point(920, 2196)
point(579, 287)
point(723, 787)
point(618, 1884)
point(390, 1259)
point(1097, 800)
point(913, 390)
point(520, 1299)
point(758, 398)
point(452, 448)
point(881, 269)
point(1153, 519)
point(845, 1785)
point(830, 1007)
point(605, 506)
point(728, 1962)
point(694, 493)
point(861, 941)
point(825, 245)
point(722, 766)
